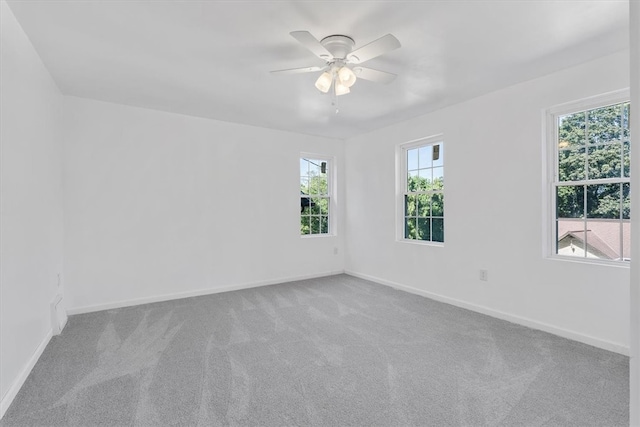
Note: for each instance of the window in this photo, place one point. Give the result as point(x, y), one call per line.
point(422, 190)
point(590, 185)
point(315, 196)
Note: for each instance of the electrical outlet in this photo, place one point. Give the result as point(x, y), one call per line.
point(335, 250)
point(59, 281)
point(484, 275)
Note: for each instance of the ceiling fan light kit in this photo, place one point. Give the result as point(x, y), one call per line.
point(341, 79)
point(324, 82)
point(338, 54)
point(347, 77)
point(340, 89)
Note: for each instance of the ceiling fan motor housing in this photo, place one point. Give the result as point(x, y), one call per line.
point(338, 45)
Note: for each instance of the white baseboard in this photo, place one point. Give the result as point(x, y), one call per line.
point(19, 381)
point(196, 293)
point(534, 324)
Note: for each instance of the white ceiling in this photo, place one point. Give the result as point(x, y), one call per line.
point(212, 58)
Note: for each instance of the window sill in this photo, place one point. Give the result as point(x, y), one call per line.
point(590, 261)
point(316, 236)
point(421, 242)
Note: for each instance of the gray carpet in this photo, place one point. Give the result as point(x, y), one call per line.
point(335, 351)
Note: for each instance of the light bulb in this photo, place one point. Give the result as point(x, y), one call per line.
point(324, 82)
point(341, 89)
point(347, 77)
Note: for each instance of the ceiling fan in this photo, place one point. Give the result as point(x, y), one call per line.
point(342, 66)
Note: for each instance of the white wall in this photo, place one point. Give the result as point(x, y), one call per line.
point(493, 204)
point(31, 213)
point(159, 204)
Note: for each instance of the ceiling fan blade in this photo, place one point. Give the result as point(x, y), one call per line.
point(298, 70)
point(376, 48)
point(373, 75)
point(312, 44)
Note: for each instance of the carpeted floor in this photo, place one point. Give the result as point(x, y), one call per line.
point(335, 351)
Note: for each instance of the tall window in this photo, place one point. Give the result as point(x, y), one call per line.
point(590, 188)
point(422, 181)
point(315, 196)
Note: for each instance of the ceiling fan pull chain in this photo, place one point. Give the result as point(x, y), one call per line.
point(334, 99)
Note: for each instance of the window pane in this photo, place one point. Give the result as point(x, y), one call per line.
point(424, 229)
point(438, 155)
point(324, 206)
point(437, 230)
point(424, 156)
point(318, 185)
point(322, 184)
point(603, 239)
point(626, 201)
point(409, 205)
point(304, 167)
point(409, 228)
point(438, 178)
point(412, 159)
point(425, 179)
point(570, 201)
point(626, 160)
point(604, 161)
point(571, 165)
point(305, 203)
point(304, 224)
point(304, 185)
point(603, 201)
point(315, 225)
point(324, 224)
point(604, 124)
point(571, 238)
point(413, 181)
point(314, 207)
point(424, 205)
point(437, 204)
point(314, 168)
point(571, 130)
point(313, 186)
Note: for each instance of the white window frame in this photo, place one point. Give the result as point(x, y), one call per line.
point(401, 186)
point(331, 192)
point(551, 172)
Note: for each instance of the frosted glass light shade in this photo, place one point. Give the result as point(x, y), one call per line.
point(324, 82)
point(340, 88)
point(347, 77)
